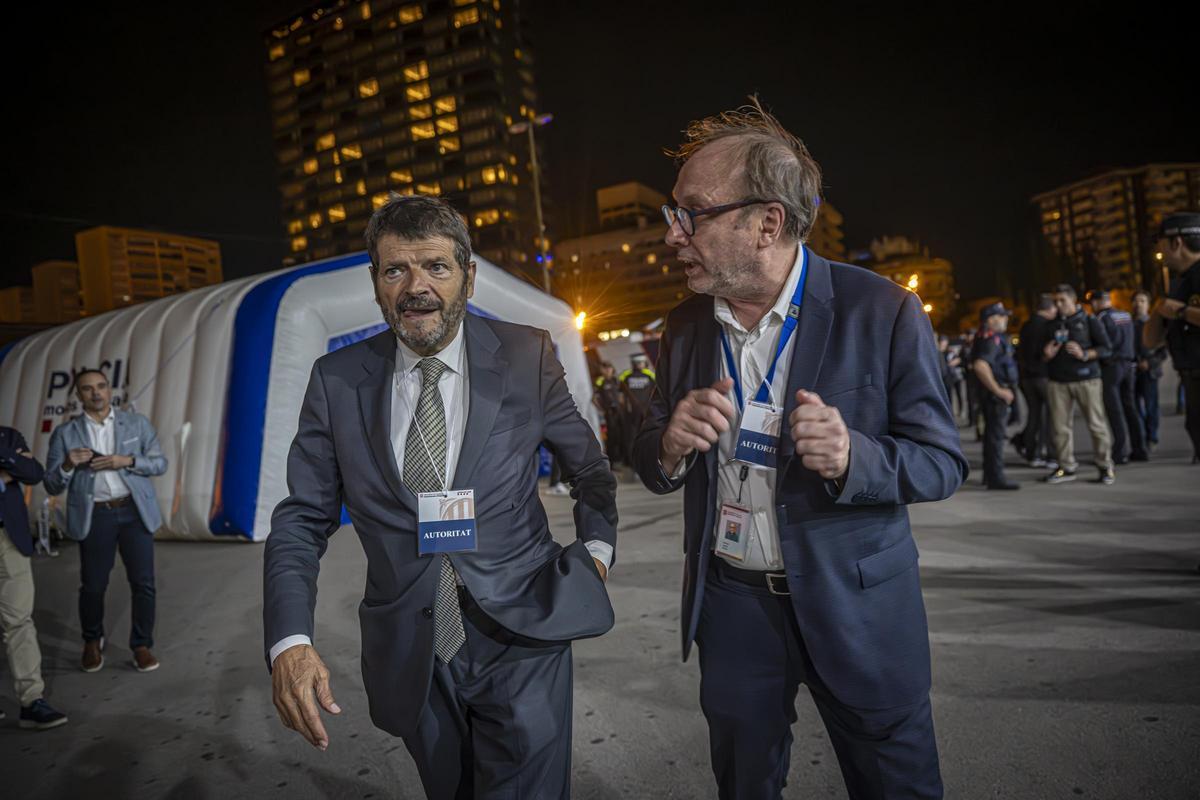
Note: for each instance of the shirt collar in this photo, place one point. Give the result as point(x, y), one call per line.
point(112, 412)
point(778, 312)
point(451, 355)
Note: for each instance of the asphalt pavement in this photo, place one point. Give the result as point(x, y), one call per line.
point(1064, 623)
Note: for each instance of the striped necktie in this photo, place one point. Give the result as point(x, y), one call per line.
point(424, 471)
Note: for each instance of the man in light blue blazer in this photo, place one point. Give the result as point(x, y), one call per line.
point(106, 457)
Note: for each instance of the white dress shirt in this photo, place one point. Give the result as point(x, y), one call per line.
point(752, 352)
point(102, 437)
point(454, 387)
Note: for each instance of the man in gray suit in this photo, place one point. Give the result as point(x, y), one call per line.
point(429, 434)
point(107, 457)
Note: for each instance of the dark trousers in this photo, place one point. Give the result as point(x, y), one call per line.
point(995, 422)
point(752, 662)
point(497, 723)
point(1145, 391)
point(1129, 439)
point(1191, 387)
point(614, 420)
point(1035, 441)
point(116, 529)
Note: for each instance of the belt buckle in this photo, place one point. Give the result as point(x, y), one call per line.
point(782, 577)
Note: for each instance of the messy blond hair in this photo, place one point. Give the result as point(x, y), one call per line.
point(778, 167)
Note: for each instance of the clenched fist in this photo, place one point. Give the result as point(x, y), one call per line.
point(821, 437)
point(697, 423)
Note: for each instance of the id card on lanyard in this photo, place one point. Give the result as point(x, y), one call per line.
point(445, 519)
point(762, 420)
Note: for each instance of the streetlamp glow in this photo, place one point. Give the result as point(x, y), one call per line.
point(927, 307)
point(579, 318)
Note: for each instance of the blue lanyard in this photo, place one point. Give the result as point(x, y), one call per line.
point(789, 325)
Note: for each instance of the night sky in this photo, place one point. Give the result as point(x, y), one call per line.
point(927, 121)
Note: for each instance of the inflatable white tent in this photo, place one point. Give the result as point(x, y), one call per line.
point(221, 373)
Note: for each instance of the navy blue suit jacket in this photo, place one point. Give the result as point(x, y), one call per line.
point(24, 469)
point(865, 346)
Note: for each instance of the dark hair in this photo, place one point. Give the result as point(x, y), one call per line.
point(1192, 243)
point(1045, 302)
point(88, 371)
point(1067, 289)
point(415, 217)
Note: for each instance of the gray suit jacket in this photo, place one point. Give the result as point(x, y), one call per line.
point(135, 437)
point(342, 453)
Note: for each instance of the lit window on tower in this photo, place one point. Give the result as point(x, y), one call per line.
point(429, 188)
point(352, 151)
point(368, 88)
point(449, 144)
point(310, 166)
point(417, 91)
point(488, 174)
point(416, 72)
point(401, 175)
point(445, 104)
point(422, 111)
point(325, 141)
point(422, 130)
point(337, 213)
point(314, 219)
point(299, 243)
point(295, 226)
point(489, 217)
point(411, 13)
point(365, 8)
point(468, 16)
point(276, 51)
point(447, 124)
point(301, 77)
point(379, 199)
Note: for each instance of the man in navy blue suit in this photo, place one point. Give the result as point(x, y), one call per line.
point(800, 406)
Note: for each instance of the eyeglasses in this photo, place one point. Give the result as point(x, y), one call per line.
point(686, 217)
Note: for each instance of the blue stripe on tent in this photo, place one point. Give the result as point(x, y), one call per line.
point(5, 349)
point(246, 402)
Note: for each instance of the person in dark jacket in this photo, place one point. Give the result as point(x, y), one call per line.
point(995, 368)
point(17, 467)
point(1149, 370)
point(1116, 373)
point(1073, 351)
point(1035, 439)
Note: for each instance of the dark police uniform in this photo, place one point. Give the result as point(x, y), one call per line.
point(1117, 373)
point(637, 385)
point(997, 351)
point(608, 397)
point(1183, 342)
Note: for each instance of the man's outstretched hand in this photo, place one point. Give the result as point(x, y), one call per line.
point(299, 683)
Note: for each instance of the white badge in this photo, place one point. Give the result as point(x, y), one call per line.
point(758, 438)
point(446, 522)
point(733, 531)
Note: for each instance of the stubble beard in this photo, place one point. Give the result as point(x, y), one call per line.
point(448, 318)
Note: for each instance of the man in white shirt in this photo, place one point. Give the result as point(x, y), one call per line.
point(429, 433)
point(106, 457)
point(800, 406)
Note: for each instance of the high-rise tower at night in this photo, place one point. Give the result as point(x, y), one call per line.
point(369, 98)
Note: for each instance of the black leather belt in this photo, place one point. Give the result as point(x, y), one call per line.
point(117, 503)
point(774, 582)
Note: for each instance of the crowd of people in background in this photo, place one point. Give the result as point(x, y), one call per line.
point(1106, 363)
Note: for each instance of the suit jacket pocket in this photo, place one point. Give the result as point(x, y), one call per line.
point(886, 564)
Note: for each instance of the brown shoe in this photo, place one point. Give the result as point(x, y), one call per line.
point(144, 660)
point(93, 656)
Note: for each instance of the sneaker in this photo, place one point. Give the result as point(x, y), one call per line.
point(1036, 463)
point(558, 489)
point(93, 655)
point(39, 716)
point(1107, 476)
point(144, 660)
point(1051, 464)
point(1059, 475)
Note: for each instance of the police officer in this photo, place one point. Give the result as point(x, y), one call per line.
point(995, 367)
point(607, 399)
point(1176, 318)
point(1117, 373)
point(637, 385)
